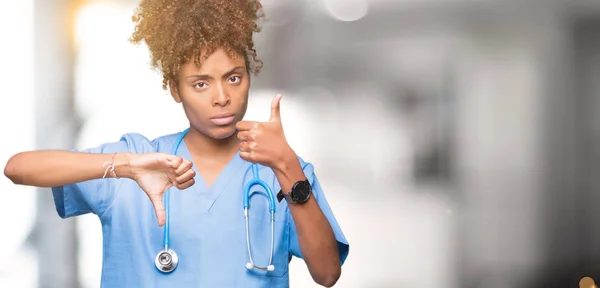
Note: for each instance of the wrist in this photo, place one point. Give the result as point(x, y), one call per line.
point(286, 160)
point(122, 165)
point(288, 171)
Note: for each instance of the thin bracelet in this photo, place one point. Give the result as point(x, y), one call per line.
point(110, 167)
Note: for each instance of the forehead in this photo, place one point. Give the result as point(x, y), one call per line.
point(219, 61)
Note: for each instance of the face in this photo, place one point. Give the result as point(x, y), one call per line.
point(215, 95)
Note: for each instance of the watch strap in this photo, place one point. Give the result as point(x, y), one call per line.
point(286, 196)
point(280, 196)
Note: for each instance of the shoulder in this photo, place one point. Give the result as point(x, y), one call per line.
point(138, 143)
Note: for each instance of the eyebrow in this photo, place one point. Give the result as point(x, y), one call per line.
point(205, 76)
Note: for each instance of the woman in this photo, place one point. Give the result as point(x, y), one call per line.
point(205, 52)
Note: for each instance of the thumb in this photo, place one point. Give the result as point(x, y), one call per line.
point(275, 112)
point(157, 202)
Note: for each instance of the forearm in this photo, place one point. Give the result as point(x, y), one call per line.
point(53, 168)
point(315, 235)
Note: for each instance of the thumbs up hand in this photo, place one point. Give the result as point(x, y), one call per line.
point(264, 142)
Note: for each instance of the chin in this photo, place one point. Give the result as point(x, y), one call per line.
point(221, 133)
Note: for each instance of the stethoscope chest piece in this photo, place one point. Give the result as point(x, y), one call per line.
point(166, 260)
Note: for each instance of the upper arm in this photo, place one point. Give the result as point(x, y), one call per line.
point(343, 246)
point(94, 196)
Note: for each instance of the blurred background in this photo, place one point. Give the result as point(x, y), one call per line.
point(457, 141)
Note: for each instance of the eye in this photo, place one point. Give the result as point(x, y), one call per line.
point(200, 85)
point(234, 79)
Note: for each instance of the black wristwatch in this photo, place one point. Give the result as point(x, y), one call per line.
point(300, 193)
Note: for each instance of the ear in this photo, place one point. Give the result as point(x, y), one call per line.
point(174, 88)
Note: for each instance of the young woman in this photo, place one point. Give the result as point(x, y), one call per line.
point(205, 51)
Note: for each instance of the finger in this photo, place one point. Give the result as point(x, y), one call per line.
point(244, 146)
point(275, 111)
point(248, 156)
point(159, 208)
point(186, 184)
point(185, 166)
point(246, 125)
point(186, 176)
point(175, 162)
point(245, 136)
point(170, 157)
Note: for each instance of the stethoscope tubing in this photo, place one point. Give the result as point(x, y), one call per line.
point(167, 196)
point(247, 193)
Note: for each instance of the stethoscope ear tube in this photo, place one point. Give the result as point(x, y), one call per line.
point(256, 181)
point(269, 195)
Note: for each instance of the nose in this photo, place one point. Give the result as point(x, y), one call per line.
point(221, 98)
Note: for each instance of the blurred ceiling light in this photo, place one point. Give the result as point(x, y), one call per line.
point(346, 10)
point(280, 12)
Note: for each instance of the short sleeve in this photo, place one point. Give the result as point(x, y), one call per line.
point(94, 196)
point(343, 245)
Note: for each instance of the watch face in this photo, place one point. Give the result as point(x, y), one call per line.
point(302, 191)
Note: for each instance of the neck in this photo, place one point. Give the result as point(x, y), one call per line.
point(201, 145)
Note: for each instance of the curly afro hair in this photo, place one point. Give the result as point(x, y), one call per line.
point(176, 31)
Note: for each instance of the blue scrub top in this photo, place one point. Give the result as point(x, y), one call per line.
point(207, 225)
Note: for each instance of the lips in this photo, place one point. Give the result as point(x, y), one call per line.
point(222, 119)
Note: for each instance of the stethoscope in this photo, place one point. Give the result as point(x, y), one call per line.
point(167, 260)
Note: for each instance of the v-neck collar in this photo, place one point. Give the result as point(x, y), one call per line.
point(208, 195)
